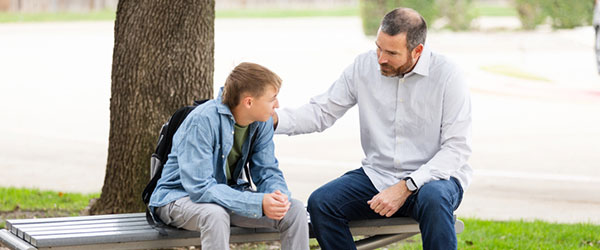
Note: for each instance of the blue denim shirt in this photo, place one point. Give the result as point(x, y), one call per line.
point(197, 163)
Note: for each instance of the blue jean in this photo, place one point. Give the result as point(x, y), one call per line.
point(344, 199)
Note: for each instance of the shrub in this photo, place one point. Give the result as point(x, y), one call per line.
point(460, 13)
point(530, 12)
point(566, 14)
point(372, 11)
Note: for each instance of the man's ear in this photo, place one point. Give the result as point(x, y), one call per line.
point(416, 52)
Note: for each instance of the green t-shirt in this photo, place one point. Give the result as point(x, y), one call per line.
point(239, 136)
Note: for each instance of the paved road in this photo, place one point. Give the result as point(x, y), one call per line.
point(536, 144)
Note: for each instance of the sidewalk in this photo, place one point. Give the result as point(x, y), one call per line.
point(535, 146)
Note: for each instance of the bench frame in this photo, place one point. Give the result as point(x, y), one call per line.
point(131, 231)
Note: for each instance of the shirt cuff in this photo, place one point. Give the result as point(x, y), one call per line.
point(285, 123)
point(254, 207)
point(421, 176)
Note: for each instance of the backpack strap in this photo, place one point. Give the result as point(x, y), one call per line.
point(247, 163)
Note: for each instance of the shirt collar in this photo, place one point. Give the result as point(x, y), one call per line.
point(422, 67)
point(222, 108)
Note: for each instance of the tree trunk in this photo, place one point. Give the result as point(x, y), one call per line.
point(163, 59)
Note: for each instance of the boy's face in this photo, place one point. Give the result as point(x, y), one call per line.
point(264, 106)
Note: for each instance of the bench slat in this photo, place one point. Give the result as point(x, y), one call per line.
point(94, 238)
point(29, 235)
point(75, 218)
point(20, 230)
point(86, 226)
point(81, 222)
point(112, 226)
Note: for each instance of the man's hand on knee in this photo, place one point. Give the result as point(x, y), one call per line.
point(275, 205)
point(387, 202)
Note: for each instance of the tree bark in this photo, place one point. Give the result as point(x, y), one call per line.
point(163, 59)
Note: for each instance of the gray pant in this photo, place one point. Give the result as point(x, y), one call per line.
point(213, 222)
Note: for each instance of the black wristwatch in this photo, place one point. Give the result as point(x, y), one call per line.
point(410, 184)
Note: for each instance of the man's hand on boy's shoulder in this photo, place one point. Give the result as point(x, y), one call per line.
point(275, 205)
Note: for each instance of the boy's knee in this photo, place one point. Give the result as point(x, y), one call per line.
point(297, 212)
point(214, 215)
point(296, 215)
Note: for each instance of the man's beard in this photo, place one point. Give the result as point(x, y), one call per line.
point(389, 71)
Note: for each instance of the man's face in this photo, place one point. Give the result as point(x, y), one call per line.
point(264, 106)
point(393, 55)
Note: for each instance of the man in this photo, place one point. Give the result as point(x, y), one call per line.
point(415, 122)
point(203, 186)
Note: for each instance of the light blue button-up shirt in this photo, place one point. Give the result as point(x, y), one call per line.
point(197, 163)
point(418, 125)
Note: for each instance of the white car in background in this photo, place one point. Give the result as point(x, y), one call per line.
point(596, 24)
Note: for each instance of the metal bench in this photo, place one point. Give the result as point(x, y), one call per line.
point(131, 231)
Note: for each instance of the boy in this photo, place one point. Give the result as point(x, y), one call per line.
point(205, 186)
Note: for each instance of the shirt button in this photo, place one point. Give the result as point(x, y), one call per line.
point(232, 132)
point(222, 156)
point(401, 80)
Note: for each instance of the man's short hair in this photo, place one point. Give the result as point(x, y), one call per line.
point(249, 78)
point(407, 20)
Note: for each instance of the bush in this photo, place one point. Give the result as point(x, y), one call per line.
point(564, 14)
point(530, 12)
point(372, 11)
point(460, 13)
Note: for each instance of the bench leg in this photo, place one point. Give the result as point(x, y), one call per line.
point(381, 240)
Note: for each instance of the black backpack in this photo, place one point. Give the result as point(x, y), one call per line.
point(163, 148)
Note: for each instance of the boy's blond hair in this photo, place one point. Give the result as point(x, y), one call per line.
point(249, 78)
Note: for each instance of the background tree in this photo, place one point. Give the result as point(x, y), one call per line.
point(163, 59)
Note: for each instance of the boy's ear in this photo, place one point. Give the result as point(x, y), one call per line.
point(247, 101)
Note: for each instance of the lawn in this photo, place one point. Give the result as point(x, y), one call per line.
point(109, 15)
point(29, 203)
point(487, 234)
point(478, 233)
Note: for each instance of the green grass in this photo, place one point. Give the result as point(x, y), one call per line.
point(281, 13)
point(110, 15)
point(26, 203)
point(478, 234)
point(34, 199)
point(484, 234)
point(495, 10)
point(10, 17)
point(512, 71)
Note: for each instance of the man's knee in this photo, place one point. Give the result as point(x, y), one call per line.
point(435, 195)
point(318, 199)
